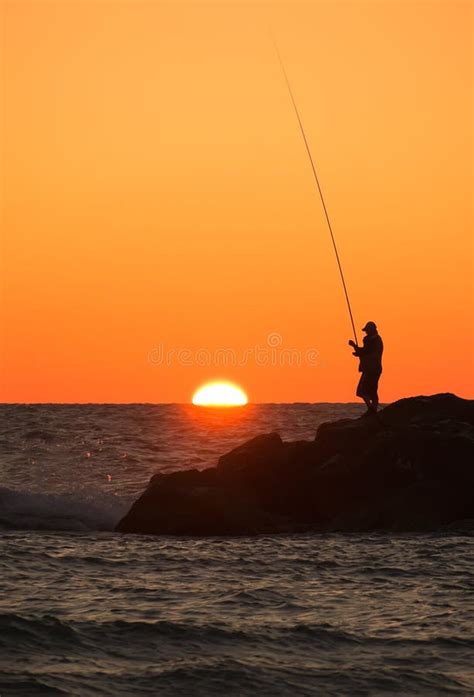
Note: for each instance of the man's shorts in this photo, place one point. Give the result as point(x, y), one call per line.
point(368, 385)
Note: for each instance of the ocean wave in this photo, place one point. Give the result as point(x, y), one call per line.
point(85, 511)
point(14, 684)
point(120, 657)
point(49, 629)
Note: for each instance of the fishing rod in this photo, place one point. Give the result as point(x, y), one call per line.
point(319, 189)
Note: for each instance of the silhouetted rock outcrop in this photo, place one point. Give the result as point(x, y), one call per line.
point(411, 468)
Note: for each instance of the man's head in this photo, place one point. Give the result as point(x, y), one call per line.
point(370, 328)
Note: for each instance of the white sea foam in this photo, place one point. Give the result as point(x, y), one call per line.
point(87, 511)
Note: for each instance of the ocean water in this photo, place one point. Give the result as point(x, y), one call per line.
point(86, 611)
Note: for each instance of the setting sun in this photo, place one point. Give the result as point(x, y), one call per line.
point(219, 394)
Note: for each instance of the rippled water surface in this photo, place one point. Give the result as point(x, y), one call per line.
point(84, 611)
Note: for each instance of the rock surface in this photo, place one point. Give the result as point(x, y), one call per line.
point(410, 468)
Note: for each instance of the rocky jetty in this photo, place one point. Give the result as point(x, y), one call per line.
point(410, 468)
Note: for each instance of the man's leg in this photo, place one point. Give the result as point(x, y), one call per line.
point(375, 396)
point(362, 392)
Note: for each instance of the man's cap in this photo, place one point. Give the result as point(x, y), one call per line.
point(369, 325)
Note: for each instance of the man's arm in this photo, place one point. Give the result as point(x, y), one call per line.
point(358, 350)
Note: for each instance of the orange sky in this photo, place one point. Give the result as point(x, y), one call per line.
point(156, 195)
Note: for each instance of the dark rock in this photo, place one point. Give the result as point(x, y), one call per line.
point(433, 409)
point(197, 503)
point(245, 464)
point(409, 468)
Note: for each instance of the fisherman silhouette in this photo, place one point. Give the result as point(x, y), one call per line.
point(370, 365)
